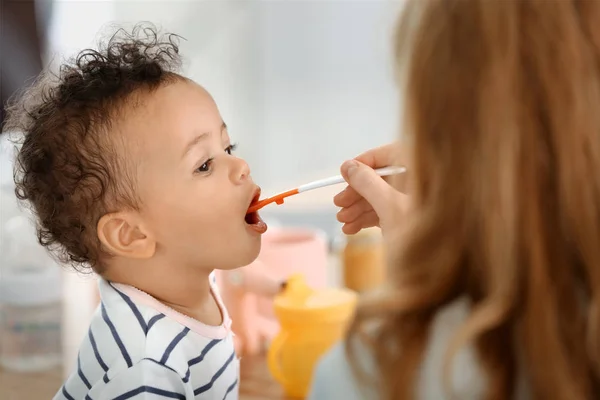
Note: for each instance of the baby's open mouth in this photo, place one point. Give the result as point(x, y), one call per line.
point(253, 219)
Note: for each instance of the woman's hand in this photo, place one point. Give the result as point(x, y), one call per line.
point(369, 200)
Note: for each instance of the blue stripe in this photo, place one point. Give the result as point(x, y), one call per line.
point(187, 376)
point(209, 385)
point(66, 394)
point(115, 335)
point(209, 346)
point(80, 373)
point(87, 397)
point(105, 378)
point(100, 361)
point(134, 309)
point(162, 365)
point(154, 320)
point(150, 389)
point(172, 345)
point(230, 388)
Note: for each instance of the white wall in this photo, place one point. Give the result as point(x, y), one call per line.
point(75, 25)
point(328, 87)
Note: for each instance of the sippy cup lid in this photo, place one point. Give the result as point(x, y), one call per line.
point(299, 300)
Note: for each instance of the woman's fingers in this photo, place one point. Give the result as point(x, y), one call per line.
point(382, 156)
point(365, 181)
point(367, 220)
point(346, 197)
point(369, 200)
point(349, 196)
point(353, 212)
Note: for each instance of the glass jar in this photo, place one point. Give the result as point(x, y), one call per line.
point(363, 261)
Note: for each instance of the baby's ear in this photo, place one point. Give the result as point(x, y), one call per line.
point(123, 234)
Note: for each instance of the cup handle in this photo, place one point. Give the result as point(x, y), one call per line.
point(273, 357)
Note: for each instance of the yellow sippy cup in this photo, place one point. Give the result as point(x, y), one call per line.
point(311, 322)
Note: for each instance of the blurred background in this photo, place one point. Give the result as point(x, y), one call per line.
point(302, 85)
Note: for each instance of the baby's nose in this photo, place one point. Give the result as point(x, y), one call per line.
point(242, 170)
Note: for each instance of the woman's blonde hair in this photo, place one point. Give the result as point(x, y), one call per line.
point(503, 123)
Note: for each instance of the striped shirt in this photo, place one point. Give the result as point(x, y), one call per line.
point(138, 348)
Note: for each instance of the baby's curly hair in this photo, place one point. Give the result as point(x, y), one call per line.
point(71, 166)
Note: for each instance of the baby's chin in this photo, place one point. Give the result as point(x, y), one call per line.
point(244, 257)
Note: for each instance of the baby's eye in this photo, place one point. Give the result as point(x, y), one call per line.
point(230, 149)
point(205, 167)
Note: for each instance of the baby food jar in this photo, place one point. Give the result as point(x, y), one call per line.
point(363, 262)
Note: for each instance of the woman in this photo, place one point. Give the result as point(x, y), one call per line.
point(494, 267)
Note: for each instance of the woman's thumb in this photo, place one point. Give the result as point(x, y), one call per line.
point(365, 181)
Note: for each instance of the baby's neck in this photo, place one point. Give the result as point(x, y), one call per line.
point(186, 290)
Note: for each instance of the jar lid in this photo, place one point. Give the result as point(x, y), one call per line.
point(31, 286)
point(298, 300)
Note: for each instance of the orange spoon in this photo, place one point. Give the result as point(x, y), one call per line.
point(334, 180)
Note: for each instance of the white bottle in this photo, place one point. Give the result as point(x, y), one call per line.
point(30, 301)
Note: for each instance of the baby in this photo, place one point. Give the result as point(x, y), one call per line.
point(130, 170)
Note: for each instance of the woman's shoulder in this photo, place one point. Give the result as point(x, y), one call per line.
point(334, 376)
